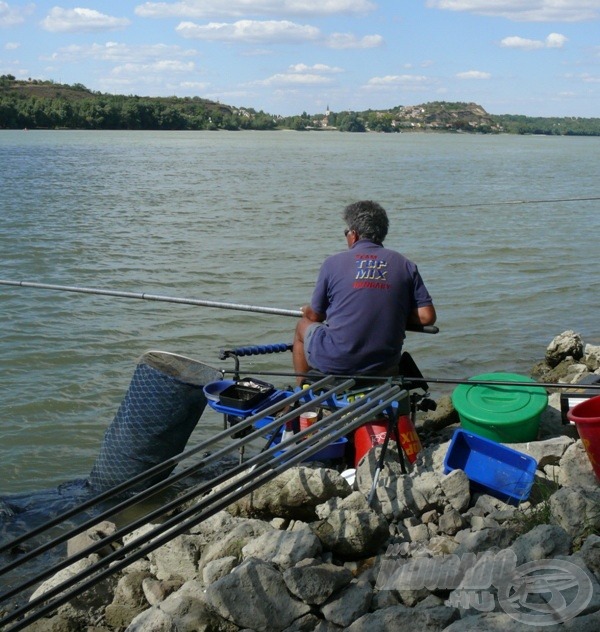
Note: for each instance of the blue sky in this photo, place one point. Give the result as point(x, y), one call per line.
point(532, 57)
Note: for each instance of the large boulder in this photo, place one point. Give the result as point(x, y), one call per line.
point(565, 345)
point(255, 596)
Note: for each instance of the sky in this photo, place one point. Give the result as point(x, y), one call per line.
point(286, 57)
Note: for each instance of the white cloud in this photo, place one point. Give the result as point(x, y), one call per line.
point(315, 68)
point(165, 66)
point(118, 52)
point(474, 74)
point(554, 40)
point(250, 31)
point(294, 79)
point(347, 40)
point(526, 10)
point(240, 8)
point(402, 81)
point(11, 16)
point(80, 20)
point(11, 45)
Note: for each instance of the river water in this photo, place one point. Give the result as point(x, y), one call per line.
point(247, 217)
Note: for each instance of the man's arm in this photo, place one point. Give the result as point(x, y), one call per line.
point(309, 312)
point(422, 316)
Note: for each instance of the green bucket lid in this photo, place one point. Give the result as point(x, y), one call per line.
point(500, 404)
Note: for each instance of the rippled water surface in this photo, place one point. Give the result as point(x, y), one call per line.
point(247, 218)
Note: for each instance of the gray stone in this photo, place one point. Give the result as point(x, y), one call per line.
point(590, 553)
point(547, 452)
point(283, 549)
point(178, 558)
point(129, 601)
point(562, 346)
point(348, 604)
point(591, 357)
point(92, 536)
point(576, 468)
point(255, 596)
point(478, 541)
point(156, 590)
point(542, 542)
point(315, 582)
point(456, 488)
point(402, 618)
point(152, 620)
point(294, 494)
point(352, 534)
point(216, 569)
point(368, 465)
point(576, 510)
point(450, 522)
point(232, 543)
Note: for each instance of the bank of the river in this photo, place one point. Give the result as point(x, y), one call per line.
point(307, 552)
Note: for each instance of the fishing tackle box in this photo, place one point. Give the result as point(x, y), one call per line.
point(577, 394)
point(245, 394)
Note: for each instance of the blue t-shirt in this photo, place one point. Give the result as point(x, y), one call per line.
point(366, 294)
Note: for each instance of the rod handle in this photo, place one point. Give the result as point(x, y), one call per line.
point(277, 347)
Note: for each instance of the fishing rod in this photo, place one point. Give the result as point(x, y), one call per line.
point(506, 203)
point(272, 463)
point(296, 313)
point(426, 380)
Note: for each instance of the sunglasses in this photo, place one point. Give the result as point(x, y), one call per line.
point(346, 231)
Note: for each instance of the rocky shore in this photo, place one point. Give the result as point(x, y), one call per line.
point(307, 552)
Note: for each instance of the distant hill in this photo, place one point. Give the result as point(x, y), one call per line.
point(49, 105)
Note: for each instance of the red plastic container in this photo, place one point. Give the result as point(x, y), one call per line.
point(586, 417)
point(372, 434)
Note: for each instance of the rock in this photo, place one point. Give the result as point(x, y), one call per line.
point(576, 510)
point(92, 536)
point(129, 601)
point(314, 582)
point(156, 591)
point(402, 618)
point(478, 541)
point(562, 346)
point(456, 488)
point(152, 620)
point(348, 604)
point(542, 542)
point(450, 522)
point(368, 465)
point(590, 553)
point(443, 416)
point(576, 469)
point(230, 544)
point(352, 534)
point(283, 549)
point(255, 596)
point(91, 600)
point(591, 357)
point(216, 569)
point(548, 452)
point(178, 558)
point(294, 494)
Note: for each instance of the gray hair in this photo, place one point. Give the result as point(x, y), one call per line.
point(368, 219)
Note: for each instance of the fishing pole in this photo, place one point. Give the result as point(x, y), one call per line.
point(506, 203)
point(426, 380)
point(296, 313)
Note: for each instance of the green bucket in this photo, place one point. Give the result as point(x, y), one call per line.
point(503, 413)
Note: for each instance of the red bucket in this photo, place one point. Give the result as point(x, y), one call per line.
point(372, 434)
point(586, 417)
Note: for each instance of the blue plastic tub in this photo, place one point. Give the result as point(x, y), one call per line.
point(491, 467)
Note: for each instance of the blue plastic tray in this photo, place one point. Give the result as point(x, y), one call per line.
point(491, 467)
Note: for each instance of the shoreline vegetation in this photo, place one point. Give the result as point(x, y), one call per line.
point(44, 104)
